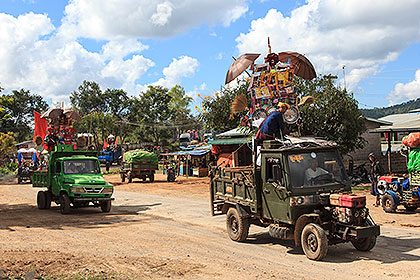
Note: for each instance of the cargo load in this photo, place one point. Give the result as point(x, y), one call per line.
point(139, 156)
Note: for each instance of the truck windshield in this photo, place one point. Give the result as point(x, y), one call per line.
point(316, 168)
point(81, 166)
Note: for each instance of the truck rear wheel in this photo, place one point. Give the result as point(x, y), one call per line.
point(130, 178)
point(106, 206)
point(388, 203)
point(152, 178)
point(48, 198)
point(364, 244)
point(123, 177)
point(314, 242)
point(64, 203)
point(107, 165)
point(41, 200)
point(237, 226)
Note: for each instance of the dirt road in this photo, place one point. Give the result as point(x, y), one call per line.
point(160, 230)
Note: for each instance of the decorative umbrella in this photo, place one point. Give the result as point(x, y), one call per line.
point(72, 115)
point(303, 66)
point(240, 65)
point(53, 113)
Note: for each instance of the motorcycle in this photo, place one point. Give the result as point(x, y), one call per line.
point(170, 174)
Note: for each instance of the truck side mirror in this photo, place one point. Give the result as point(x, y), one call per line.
point(276, 172)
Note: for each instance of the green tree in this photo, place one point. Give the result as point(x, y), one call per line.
point(17, 112)
point(7, 143)
point(216, 112)
point(335, 114)
point(101, 111)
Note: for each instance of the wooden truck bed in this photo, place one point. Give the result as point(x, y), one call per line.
point(234, 185)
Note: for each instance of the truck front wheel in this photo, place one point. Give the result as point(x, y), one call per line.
point(364, 244)
point(106, 206)
point(107, 165)
point(48, 198)
point(41, 200)
point(237, 226)
point(388, 203)
point(152, 178)
point(123, 177)
point(314, 242)
point(64, 203)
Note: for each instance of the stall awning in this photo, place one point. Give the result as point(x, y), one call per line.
point(192, 153)
point(230, 141)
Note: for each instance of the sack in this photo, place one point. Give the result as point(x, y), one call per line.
point(412, 140)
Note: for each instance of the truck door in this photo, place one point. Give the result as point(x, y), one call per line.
point(274, 194)
point(55, 178)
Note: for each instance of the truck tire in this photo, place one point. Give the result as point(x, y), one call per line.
point(314, 242)
point(364, 244)
point(48, 198)
point(41, 200)
point(152, 178)
point(388, 203)
point(130, 178)
point(123, 177)
point(19, 180)
point(64, 203)
point(106, 206)
point(237, 226)
point(107, 165)
point(410, 208)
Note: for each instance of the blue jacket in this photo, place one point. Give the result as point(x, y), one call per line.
point(273, 124)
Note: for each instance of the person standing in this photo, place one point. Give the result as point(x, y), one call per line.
point(273, 125)
point(374, 172)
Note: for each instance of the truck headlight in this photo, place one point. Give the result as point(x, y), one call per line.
point(108, 190)
point(77, 189)
point(297, 200)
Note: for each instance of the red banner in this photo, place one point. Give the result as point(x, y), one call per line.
point(40, 126)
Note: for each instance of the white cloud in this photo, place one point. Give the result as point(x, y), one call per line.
point(35, 57)
point(182, 67)
point(146, 18)
point(219, 56)
point(331, 33)
point(410, 90)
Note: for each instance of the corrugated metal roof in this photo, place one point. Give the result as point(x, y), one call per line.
point(236, 132)
point(402, 122)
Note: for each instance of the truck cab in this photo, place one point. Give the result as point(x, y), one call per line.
point(299, 189)
point(73, 179)
point(109, 157)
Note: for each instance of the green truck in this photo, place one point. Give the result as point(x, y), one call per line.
point(139, 164)
point(73, 179)
point(299, 189)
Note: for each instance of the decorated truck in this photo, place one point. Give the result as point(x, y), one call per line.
point(73, 179)
point(298, 189)
point(139, 164)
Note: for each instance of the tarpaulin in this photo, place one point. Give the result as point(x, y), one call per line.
point(414, 159)
point(137, 156)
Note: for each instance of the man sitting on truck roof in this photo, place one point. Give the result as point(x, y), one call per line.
point(273, 125)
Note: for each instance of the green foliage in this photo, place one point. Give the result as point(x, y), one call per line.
point(101, 111)
point(335, 115)
point(7, 143)
point(217, 114)
point(396, 109)
point(16, 112)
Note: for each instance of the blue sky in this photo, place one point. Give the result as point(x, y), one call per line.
point(50, 47)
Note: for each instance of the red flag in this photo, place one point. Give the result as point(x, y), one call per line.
point(116, 142)
point(40, 126)
point(105, 145)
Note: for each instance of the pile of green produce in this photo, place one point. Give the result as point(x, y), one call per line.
point(137, 156)
point(414, 159)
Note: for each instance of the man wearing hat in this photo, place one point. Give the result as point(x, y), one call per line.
point(273, 125)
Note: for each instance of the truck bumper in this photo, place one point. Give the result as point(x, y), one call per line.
point(93, 198)
point(364, 231)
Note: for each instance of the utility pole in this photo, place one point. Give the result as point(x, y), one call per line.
point(344, 76)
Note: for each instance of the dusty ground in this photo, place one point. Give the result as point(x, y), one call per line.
point(164, 230)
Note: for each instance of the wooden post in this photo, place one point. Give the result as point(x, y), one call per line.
point(389, 154)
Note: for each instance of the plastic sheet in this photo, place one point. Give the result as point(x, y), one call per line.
point(138, 156)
